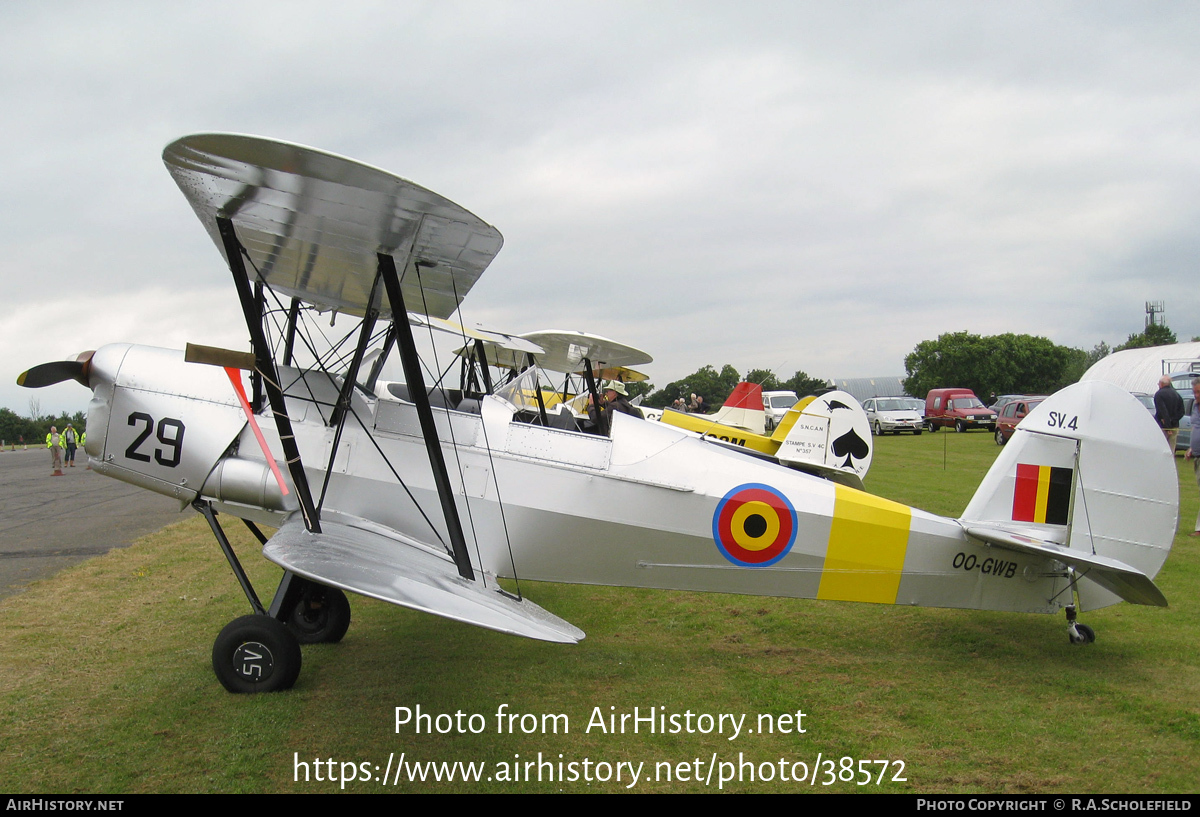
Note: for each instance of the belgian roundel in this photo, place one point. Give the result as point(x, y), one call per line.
point(754, 525)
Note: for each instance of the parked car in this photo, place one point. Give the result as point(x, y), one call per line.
point(891, 415)
point(1146, 400)
point(959, 408)
point(1011, 413)
point(917, 405)
point(1184, 441)
point(1182, 381)
point(776, 404)
point(1005, 398)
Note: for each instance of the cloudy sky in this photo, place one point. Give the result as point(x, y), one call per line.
point(815, 186)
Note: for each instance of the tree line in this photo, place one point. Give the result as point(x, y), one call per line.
point(992, 364)
point(15, 429)
point(715, 386)
point(1008, 363)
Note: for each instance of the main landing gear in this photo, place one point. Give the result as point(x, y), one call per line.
point(1078, 633)
point(261, 652)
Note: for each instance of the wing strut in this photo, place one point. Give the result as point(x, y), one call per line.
point(266, 366)
point(290, 337)
point(537, 390)
point(416, 391)
point(481, 354)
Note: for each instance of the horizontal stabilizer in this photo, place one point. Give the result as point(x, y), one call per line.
point(1117, 577)
point(383, 564)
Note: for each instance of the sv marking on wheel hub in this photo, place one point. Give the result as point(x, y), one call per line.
point(754, 525)
point(253, 661)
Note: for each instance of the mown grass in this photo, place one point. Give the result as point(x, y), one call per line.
point(108, 686)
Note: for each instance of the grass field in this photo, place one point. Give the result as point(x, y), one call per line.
point(108, 686)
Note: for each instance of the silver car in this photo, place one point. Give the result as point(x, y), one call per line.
point(892, 415)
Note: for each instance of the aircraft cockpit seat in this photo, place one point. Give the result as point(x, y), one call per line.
point(562, 419)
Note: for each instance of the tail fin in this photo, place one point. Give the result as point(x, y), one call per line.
point(743, 409)
point(1088, 471)
point(785, 425)
point(828, 435)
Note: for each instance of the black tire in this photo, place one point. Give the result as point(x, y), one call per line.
point(1087, 632)
point(878, 430)
point(322, 615)
point(959, 426)
point(917, 433)
point(1000, 437)
point(933, 427)
point(256, 654)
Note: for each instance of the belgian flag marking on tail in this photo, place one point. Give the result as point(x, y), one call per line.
point(1042, 494)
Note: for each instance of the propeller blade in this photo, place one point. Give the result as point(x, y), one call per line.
point(47, 374)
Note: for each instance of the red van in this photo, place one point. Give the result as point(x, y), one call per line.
point(959, 408)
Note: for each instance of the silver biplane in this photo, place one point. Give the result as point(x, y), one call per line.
point(424, 496)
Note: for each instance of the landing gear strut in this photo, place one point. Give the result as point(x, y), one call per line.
point(261, 652)
point(1078, 633)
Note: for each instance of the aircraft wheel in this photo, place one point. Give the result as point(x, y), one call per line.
point(321, 616)
point(1000, 437)
point(1083, 635)
point(256, 654)
point(959, 427)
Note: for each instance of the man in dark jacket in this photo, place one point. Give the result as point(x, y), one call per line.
point(1168, 410)
point(616, 398)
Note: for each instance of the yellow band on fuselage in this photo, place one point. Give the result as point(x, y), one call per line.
point(867, 543)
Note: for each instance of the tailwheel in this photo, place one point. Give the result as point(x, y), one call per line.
point(1078, 633)
point(320, 616)
point(1083, 635)
point(256, 654)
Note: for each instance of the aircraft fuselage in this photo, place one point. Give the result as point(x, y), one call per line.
point(652, 506)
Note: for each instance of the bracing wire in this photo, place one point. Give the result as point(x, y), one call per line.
point(450, 425)
point(303, 329)
point(492, 468)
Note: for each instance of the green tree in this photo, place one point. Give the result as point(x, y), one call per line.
point(994, 364)
point(763, 377)
point(1081, 361)
point(1156, 334)
point(706, 381)
point(803, 385)
point(640, 387)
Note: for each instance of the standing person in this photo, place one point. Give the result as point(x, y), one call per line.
point(1168, 410)
point(1193, 452)
point(70, 442)
point(54, 443)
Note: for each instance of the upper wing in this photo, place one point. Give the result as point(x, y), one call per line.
point(565, 351)
point(369, 559)
point(313, 222)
